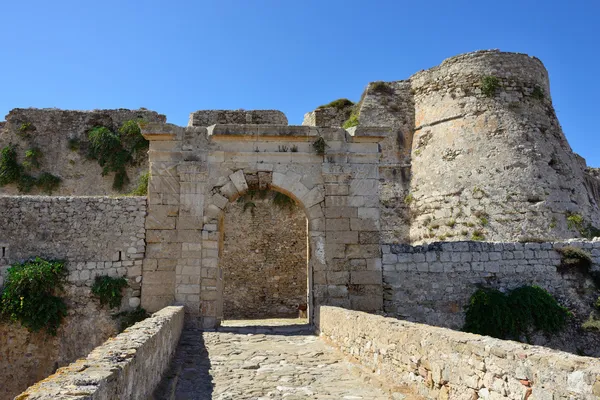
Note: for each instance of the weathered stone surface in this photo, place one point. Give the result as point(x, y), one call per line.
point(442, 363)
point(284, 364)
point(264, 260)
point(54, 129)
point(30, 357)
point(126, 367)
point(212, 117)
point(432, 283)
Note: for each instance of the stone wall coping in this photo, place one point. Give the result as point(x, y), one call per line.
point(443, 360)
point(128, 366)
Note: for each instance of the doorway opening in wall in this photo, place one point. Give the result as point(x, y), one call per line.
point(264, 262)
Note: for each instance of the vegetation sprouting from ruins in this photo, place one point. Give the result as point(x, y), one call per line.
point(339, 104)
point(574, 258)
point(278, 199)
point(30, 296)
point(115, 151)
point(129, 318)
point(514, 315)
point(319, 145)
point(142, 187)
point(489, 85)
point(577, 223)
point(537, 93)
point(109, 290)
point(10, 170)
point(13, 172)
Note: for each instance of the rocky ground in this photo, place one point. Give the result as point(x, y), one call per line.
point(244, 362)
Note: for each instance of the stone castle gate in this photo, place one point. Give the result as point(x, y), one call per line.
point(197, 170)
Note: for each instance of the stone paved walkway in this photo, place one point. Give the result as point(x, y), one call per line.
point(290, 365)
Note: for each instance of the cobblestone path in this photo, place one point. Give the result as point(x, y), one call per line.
point(286, 364)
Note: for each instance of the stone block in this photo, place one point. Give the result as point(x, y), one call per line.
point(337, 224)
point(341, 237)
point(366, 278)
point(362, 251)
point(341, 212)
point(163, 250)
point(239, 180)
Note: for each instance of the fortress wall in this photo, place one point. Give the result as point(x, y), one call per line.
point(53, 128)
point(390, 104)
point(89, 233)
point(503, 158)
point(129, 366)
point(445, 364)
point(432, 283)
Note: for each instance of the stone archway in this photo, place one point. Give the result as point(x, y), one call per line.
point(229, 189)
point(331, 173)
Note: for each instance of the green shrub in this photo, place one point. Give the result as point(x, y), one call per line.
point(351, 121)
point(538, 93)
point(381, 87)
point(339, 104)
point(105, 146)
point(489, 85)
point(493, 313)
point(32, 158)
point(478, 236)
point(574, 258)
point(26, 183)
point(48, 182)
point(29, 295)
point(577, 223)
point(319, 146)
point(109, 290)
point(142, 186)
point(129, 318)
point(488, 313)
point(10, 169)
point(131, 137)
point(535, 307)
point(592, 323)
point(26, 128)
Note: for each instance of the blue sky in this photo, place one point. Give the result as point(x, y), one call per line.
point(179, 56)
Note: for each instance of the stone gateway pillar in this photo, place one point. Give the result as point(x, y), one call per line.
point(331, 173)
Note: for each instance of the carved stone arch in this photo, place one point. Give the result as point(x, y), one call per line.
point(231, 187)
point(196, 171)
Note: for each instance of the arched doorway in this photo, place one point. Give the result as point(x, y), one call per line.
point(264, 259)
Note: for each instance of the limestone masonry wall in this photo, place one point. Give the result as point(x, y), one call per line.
point(61, 136)
point(264, 260)
point(496, 166)
point(129, 366)
point(95, 236)
point(446, 364)
point(432, 283)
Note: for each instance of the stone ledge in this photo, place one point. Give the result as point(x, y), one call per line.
point(128, 366)
point(448, 364)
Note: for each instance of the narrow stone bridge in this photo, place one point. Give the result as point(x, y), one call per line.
point(267, 362)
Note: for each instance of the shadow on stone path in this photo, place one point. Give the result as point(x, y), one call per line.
point(265, 362)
